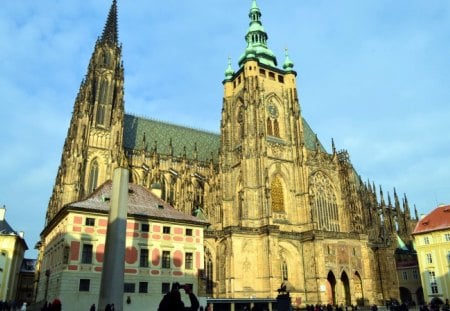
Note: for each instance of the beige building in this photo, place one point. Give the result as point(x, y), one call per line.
point(163, 246)
point(432, 241)
point(12, 250)
point(281, 207)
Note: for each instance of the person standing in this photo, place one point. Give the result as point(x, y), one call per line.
point(172, 300)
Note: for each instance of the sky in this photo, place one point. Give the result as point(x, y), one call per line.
point(373, 75)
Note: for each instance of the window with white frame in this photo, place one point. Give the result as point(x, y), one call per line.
point(429, 258)
point(166, 259)
point(433, 282)
point(188, 261)
point(447, 237)
point(143, 259)
point(86, 255)
point(426, 240)
point(84, 285)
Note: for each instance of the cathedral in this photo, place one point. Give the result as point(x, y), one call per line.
point(280, 208)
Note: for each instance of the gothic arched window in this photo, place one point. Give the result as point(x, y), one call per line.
point(93, 176)
point(284, 271)
point(325, 210)
point(208, 272)
point(269, 127)
point(277, 195)
point(101, 102)
point(276, 128)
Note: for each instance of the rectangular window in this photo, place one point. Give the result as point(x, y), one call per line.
point(166, 230)
point(84, 285)
point(166, 259)
point(448, 257)
point(426, 240)
point(447, 237)
point(129, 287)
point(145, 227)
point(188, 232)
point(165, 288)
point(143, 287)
point(143, 261)
point(405, 275)
point(89, 221)
point(433, 282)
point(415, 274)
point(86, 255)
point(188, 261)
point(429, 258)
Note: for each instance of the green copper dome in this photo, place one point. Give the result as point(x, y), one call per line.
point(288, 64)
point(229, 72)
point(256, 39)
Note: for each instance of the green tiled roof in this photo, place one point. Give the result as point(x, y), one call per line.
point(134, 128)
point(310, 137)
point(207, 142)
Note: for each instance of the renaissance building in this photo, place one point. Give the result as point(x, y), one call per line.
point(280, 207)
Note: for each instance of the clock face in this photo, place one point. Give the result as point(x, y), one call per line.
point(272, 110)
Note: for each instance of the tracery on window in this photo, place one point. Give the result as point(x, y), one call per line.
point(276, 128)
point(269, 127)
point(273, 127)
point(102, 102)
point(325, 210)
point(277, 195)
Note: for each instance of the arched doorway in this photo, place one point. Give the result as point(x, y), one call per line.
point(346, 289)
point(358, 289)
point(331, 288)
point(405, 295)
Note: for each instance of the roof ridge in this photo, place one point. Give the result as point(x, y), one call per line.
point(171, 123)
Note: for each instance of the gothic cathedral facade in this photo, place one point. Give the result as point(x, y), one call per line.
point(281, 208)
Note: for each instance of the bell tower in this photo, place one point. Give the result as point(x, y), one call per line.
point(262, 135)
point(93, 146)
point(263, 172)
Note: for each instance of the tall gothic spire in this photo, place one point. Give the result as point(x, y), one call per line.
point(256, 39)
point(110, 32)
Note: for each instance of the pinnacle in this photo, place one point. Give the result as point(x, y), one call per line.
point(110, 32)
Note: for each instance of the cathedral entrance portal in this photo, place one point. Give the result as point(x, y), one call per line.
point(345, 290)
point(331, 289)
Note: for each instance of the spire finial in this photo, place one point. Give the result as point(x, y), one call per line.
point(110, 32)
point(256, 38)
point(229, 72)
point(288, 64)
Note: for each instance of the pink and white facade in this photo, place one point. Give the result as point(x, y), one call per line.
point(163, 246)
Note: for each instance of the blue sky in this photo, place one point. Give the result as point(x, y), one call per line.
point(373, 75)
